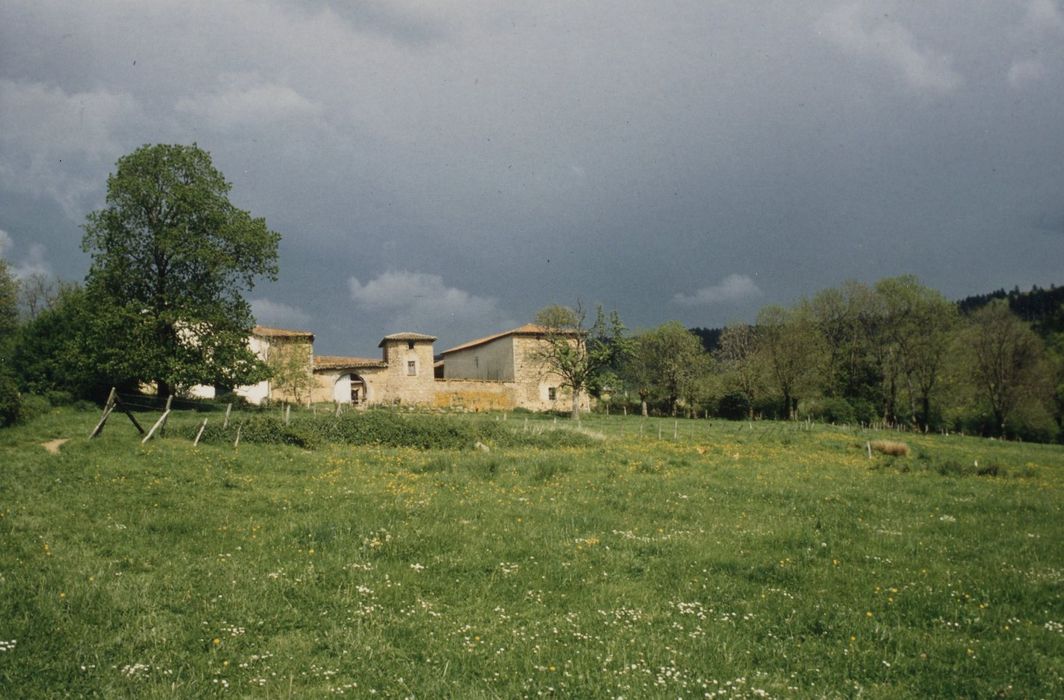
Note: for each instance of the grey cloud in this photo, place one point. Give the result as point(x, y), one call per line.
point(523, 154)
point(403, 22)
point(272, 313)
point(731, 289)
point(878, 37)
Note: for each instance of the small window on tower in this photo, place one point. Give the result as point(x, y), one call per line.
point(552, 393)
point(410, 345)
point(411, 368)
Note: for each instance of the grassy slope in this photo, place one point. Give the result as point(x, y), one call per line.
point(732, 561)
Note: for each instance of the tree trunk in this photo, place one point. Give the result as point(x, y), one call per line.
point(643, 407)
point(163, 388)
point(575, 415)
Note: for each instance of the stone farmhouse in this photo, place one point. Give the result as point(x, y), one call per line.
point(498, 372)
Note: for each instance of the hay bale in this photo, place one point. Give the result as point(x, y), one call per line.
point(890, 447)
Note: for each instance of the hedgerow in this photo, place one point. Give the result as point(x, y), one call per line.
point(385, 429)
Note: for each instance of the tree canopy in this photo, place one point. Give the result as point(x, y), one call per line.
point(171, 260)
point(581, 356)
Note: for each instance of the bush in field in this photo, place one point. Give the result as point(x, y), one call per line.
point(833, 410)
point(33, 406)
point(734, 406)
point(10, 401)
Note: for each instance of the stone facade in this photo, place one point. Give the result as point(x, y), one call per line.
point(402, 377)
point(266, 343)
point(500, 372)
point(513, 358)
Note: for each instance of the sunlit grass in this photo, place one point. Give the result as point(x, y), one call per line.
point(722, 560)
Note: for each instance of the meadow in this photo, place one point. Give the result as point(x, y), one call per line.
point(632, 558)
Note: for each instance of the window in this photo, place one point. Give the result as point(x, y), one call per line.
point(410, 345)
point(411, 368)
point(552, 393)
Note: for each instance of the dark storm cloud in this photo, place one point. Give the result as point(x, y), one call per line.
point(456, 165)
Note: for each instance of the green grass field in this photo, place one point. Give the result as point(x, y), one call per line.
point(721, 560)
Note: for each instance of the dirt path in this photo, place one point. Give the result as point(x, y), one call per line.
point(53, 445)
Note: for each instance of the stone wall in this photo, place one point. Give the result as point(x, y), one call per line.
point(535, 380)
point(475, 395)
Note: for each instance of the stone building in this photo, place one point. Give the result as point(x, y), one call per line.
point(502, 371)
point(499, 372)
point(403, 375)
point(271, 345)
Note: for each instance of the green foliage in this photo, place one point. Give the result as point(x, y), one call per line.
point(8, 306)
point(47, 354)
point(291, 370)
point(832, 410)
point(1008, 364)
point(10, 400)
point(382, 428)
point(919, 323)
point(788, 349)
point(558, 317)
point(33, 406)
point(581, 357)
point(171, 257)
point(735, 405)
point(667, 363)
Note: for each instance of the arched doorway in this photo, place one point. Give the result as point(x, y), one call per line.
point(349, 388)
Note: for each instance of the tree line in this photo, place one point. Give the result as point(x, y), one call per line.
point(896, 353)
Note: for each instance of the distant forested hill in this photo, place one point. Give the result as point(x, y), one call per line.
point(710, 337)
point(1042, 308)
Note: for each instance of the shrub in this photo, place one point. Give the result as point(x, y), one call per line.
point(734, 406)
point(386, 429)
point(10, 401)
point(59, 398)
point(33, 406)
point(833, 410)
point(864, 411)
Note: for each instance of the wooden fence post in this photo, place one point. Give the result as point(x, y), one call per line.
point(158, 424)
point(200, 433)
point(228, 408)
point(108, 406)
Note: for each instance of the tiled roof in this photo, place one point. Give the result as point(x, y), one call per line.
point(265, 332)
point(338, 362)
point(407, 336)
point(532, 329)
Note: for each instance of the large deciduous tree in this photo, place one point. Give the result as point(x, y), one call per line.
point(789, 348)
point(737, 358)
point(581, 356)
point(668, 362)
point(171, 260)
point(919, 326)
point(1008, 361)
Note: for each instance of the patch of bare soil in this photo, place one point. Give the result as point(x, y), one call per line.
point(53, 445)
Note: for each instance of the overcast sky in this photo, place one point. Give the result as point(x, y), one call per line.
point(449, 167)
